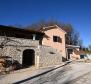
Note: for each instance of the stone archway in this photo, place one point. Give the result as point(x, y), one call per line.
point(28, 58)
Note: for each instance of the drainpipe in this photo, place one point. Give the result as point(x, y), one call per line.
point(66, 53)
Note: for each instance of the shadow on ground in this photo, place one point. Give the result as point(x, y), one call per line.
point(27, 79)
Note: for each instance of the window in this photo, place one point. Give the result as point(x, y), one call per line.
point(38, 37)
point(57, 39)
point(81, 56)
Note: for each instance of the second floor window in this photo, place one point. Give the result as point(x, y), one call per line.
point(57, 39)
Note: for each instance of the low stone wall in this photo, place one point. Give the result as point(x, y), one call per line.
point(49, 56)
point(18, 41)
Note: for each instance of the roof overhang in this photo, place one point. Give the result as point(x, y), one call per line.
point(72, 46)
point(53, 27)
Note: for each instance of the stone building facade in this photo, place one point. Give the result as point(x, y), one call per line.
point(25, 47)
point(43, 55)
point(17, 46)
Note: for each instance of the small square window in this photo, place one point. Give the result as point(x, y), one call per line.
point(57, 39)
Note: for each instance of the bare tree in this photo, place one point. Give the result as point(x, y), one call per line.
point(72, 36)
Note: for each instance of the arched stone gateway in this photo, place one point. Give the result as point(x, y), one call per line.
point(28, 58)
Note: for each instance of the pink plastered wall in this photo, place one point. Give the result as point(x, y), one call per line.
point(60, 46)
point(76, 56)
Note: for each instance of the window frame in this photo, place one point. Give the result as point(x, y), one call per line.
point(57, 39)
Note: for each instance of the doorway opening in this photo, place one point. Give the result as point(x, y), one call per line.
point(70, 51)
point(28, 58)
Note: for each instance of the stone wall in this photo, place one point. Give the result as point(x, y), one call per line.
point(49, 56)
point(19, 41)
point(44, 55)
point(15, 47)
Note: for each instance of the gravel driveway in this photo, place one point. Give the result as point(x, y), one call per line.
point(63, 75)
point(73, 73)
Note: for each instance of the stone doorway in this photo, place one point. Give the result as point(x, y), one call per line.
point(28, 58)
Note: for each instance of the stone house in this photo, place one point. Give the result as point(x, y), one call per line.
point(41, 48)
point(55, 37)
point(20, 44)
point(72, 52)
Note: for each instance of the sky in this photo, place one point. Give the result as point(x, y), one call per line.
point(26, 12)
